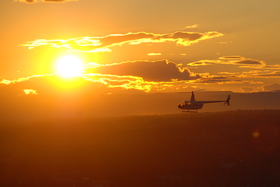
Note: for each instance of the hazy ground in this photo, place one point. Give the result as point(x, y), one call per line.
point(236, 148)
point(107, 105)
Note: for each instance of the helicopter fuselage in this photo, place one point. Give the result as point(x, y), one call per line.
point(190, 105)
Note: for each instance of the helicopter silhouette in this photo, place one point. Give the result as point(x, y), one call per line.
point(193, 105)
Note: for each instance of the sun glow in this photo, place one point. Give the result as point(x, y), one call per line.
point(69, 66)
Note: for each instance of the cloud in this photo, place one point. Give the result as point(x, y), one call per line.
point(91, 83)
point(231, 60)
point(159, 71)
point(154, 54)
point(271, 87)
point(272, 74)
point(103, 44)
point(229, 73)
point(30, 91)
point(276, 66)
point(143, 76)
point(213, 79)
point(204, 63)
point(226, 78)
point(238, 60)
point(250, 61)
point(192, 26)
point(43, 1)
point(122, 82)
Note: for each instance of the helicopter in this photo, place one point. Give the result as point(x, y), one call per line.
point(193, 105)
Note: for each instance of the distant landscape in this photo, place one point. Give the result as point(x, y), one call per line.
point(71, 105)
point(231, 148)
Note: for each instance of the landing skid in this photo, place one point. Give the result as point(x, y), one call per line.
point(190, 111)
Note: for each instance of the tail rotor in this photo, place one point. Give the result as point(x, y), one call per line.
point(227, 101)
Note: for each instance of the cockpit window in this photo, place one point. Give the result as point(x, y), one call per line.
point(185, 103)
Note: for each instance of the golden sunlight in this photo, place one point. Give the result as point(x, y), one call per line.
point(69, 66)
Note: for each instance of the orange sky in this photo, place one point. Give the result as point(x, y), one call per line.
point(146, 46)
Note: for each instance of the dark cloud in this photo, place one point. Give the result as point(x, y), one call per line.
point(276, 66)
point(273, 74)
point(214, 79)
point(239, 60)
point(160, 71)
point(250, 61)
point(231, 60)
point(183, 35)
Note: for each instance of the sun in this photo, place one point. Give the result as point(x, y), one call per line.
point(69, 66)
